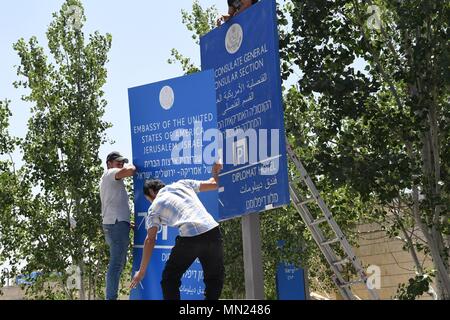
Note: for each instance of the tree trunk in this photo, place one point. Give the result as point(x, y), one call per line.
point(431, 170)
point(82, 293)
point(89, 279)
point(66, 291)
point(409, 241)
point(443, 281)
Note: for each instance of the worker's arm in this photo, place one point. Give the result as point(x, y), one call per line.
point(128, 170)
point(149, 244)
point(213, 182)
point(225, 17)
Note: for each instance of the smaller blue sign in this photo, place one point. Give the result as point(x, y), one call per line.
point(290, 282)
point(27, 279)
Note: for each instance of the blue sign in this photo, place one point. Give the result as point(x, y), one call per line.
point(244, 55)
point(27, 279)
point(170, 120)
point(290, 282)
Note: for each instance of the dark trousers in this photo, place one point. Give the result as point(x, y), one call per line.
point(208, 248)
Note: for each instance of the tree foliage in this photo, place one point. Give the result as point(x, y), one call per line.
point(382, 131)
point(199, 21)
point(10, 190)
point(60, 225)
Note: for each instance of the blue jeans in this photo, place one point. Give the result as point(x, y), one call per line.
point(118, 238)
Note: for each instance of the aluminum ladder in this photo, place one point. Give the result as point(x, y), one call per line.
point(334, 259)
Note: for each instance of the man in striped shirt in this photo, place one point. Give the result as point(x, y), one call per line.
point(177, 205)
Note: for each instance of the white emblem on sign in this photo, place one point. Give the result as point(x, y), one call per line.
point(233, 39)
point(166, 97)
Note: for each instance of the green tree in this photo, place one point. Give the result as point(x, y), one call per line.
point(199, 21)
point(383, 132)
point(61, 227)
point(7, 170)
point(10, 191)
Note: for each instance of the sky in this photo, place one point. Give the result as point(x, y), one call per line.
point(143, 32)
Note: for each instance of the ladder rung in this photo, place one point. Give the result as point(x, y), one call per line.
point(314, 195)
point(330, 241)
point(318, 221)
point(307, 201)
point(351, 283)
point(339, 262)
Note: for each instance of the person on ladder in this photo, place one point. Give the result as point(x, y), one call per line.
point(235, 7)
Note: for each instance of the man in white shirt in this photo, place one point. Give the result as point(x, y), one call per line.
point(116, 218)
point(177, 205)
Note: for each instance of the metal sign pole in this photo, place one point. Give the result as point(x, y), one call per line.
point(254, 274)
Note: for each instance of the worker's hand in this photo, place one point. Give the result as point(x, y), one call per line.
point(136, 279)
point(222, 19)
point(129, 166)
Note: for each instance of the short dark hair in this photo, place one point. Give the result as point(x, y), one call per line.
point(153, 184)
point(231, 3)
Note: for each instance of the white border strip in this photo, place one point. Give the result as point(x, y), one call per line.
point(250, 165)
point(139, 246)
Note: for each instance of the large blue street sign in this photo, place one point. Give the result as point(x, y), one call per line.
point(244, 55)
point(168, 124)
